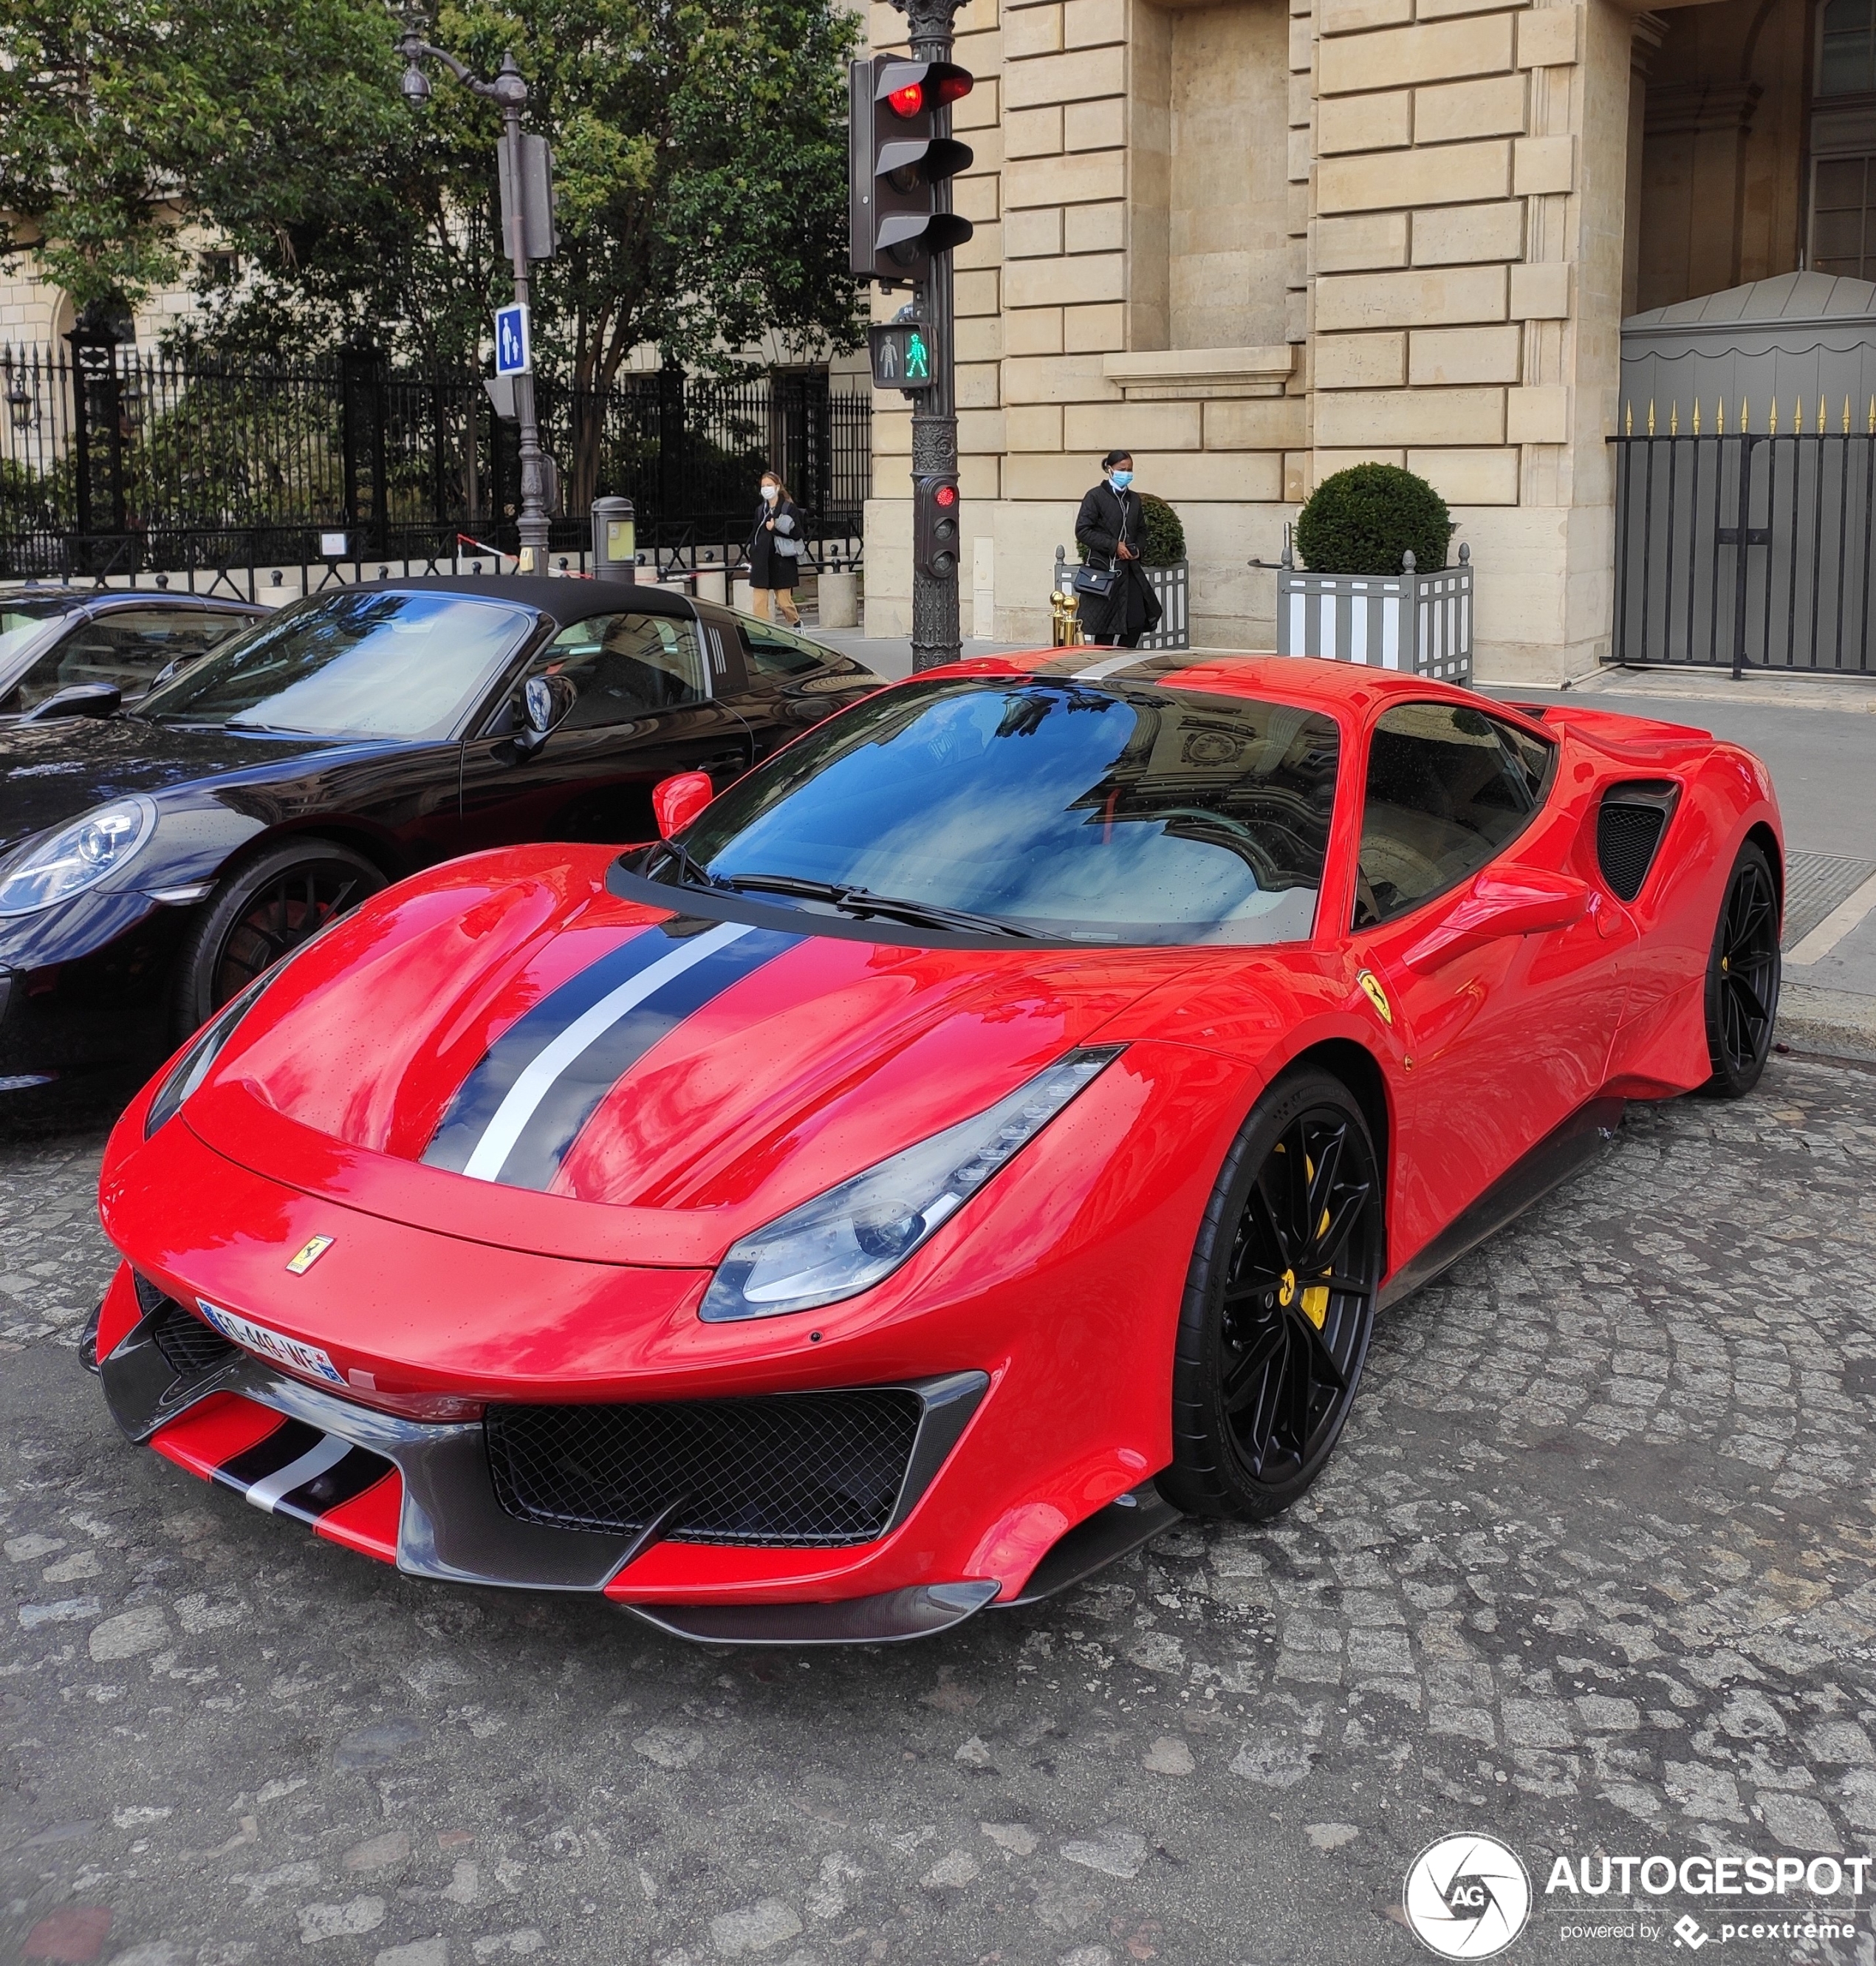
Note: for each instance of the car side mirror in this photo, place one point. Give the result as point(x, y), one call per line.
point(545, 699)
point(81, 699)
point(676, 801)
point(1523, 900)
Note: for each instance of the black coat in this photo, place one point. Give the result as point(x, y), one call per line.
point(1108, 518)
point(767, 567)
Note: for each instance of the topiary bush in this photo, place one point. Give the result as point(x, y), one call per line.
point(1162, 537)
point(1362, 520)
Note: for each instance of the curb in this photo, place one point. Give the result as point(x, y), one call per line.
point(1828, 1023)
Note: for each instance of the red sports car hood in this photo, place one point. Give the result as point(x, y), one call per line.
point(509, 1020)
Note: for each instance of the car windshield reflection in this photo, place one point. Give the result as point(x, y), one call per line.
point(1104, 814)
point(359, 664)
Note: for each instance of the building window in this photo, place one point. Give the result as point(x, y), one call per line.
point(1843, 217)
point(1847, 59)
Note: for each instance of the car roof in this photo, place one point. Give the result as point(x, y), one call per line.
point(566, 600)
point(1351, 686)
point(69, 597)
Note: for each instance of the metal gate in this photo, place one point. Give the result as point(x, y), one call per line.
point(1751, 550)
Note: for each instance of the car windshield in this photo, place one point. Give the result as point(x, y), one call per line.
point(1107, 813)
point(23, 619)
point(364, 663)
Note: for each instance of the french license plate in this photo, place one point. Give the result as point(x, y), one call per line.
point(275, 1345)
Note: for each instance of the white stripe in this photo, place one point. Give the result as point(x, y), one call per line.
point(313, 1462)
point(535, 1083)
point(1095, 671)
point(1835, 926)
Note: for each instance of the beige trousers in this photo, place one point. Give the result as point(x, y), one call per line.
point(759, 599)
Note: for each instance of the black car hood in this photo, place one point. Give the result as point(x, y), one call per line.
point(51, 772)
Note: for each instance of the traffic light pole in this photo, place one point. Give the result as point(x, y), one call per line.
point(935, 633)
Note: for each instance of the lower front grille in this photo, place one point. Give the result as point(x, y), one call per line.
point(806, 1468)
point(191, 1347)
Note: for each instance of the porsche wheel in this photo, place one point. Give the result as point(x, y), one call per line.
point(1742, 977)
point(1279, 1304)
point(262, 911)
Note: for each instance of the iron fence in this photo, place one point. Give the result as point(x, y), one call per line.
point(114, 460)
point(1748, 549)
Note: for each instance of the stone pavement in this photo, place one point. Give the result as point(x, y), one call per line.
point(1593, 1571)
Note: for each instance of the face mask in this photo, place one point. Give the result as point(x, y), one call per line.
point(1122, 479)
point(772, 492)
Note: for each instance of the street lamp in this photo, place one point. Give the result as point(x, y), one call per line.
point(510, 92)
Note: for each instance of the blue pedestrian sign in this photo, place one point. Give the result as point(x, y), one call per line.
point(513, 355)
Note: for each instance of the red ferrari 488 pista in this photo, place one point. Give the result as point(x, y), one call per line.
point(988, 1129)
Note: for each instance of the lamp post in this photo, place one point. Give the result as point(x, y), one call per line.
point(510, 92)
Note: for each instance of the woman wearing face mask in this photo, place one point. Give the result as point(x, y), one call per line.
point(774, 552)
point(1110, 525)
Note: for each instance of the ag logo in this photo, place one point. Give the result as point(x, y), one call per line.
point(1467, 1897)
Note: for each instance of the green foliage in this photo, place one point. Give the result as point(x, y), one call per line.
point(1162, 538)
point(700, 153)
point(1362, 520)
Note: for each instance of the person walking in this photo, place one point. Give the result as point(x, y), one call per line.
point(1117, 604)
point(774, 551)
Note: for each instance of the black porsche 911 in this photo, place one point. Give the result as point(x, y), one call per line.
point(154, 859)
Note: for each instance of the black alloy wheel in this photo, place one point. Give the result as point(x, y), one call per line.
point(1742, 977)
point(262, 911)
point(1279, 1304)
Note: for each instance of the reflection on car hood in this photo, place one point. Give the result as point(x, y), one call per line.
point(51, 772)
point(505, 1017)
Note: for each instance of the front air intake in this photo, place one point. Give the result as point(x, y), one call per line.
point(807, 1469)
point(1629, 830)
point(189, 1347)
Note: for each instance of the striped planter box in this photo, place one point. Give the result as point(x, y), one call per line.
point(1172, 586)
point(1419, 623)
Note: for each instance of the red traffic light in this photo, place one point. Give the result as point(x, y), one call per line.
point(922, 85)
point(946, 495)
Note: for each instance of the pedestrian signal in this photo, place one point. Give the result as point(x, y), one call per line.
point(903, 355)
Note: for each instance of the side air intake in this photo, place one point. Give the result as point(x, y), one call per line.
point(1629, 830)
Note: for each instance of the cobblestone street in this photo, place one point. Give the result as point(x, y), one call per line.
point(1593, 1571)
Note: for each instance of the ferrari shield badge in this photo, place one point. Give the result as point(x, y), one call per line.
point(304, 1260)
point(1376, 995)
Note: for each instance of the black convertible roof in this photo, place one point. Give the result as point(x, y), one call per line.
point(566, 600)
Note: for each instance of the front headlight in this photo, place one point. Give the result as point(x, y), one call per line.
point(191, 1068)
point(848, 1239)
point(77, 857)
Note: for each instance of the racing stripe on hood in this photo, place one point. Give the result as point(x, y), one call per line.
point(516, 1115)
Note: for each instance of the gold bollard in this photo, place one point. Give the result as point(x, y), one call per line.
point(1064, 608)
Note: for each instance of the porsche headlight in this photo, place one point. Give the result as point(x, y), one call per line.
point(848, 1239)
point(77, 857)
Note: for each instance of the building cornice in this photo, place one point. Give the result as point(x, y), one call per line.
point(1162, 375)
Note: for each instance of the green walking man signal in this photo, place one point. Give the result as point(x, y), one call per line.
point(903, 356)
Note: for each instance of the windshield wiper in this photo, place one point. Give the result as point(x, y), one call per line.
point(694, 875)
point(862, 901)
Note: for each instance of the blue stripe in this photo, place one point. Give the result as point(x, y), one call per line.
point(542, 1145)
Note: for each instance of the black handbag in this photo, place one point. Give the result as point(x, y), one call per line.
point(1096, 580)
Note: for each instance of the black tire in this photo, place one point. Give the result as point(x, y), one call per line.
point(1261, 1388)
point(263, 909)
point(1743, 974)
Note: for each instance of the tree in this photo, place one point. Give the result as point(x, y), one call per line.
point(699, 152)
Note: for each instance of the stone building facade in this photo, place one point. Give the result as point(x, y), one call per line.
point(1255, 242)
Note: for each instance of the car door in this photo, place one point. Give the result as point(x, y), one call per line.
point(1507, 1036)
point(645, 704)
